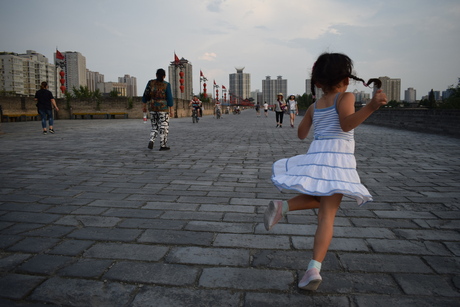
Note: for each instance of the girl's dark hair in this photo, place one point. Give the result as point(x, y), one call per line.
point(43, 85)
point(161, 74)
point(331, 68)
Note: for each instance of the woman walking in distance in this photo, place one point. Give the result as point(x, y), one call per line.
point(159, 101)
point(279, 110)
point(292, 105)
point(327, 172)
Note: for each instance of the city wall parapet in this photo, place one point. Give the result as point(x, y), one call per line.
point(23, 108)
point(440, 121)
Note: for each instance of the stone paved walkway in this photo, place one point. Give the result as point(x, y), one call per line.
point(90, 217)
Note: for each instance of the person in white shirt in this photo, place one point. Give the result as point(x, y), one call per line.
point(293, 111)
point(266, 109)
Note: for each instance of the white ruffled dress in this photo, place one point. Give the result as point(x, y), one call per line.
point(329, 166)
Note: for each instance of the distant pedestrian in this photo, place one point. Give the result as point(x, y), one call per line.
point(327, 172)
point(266, 109)
point(45, 104)
point(280, 106)
point(159, 101)
point(292, 105)
point(258, 109)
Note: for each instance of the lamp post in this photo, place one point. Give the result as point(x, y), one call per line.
point(203, 79)
point(178, 65)
point(224, 94)
point(216, 87)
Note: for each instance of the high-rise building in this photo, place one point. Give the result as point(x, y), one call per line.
point(391, 87)
point(75, 70)
point(93, 78)
point(131, 85)
point(22, 74)
point(318, 92)
point(175, 69)
point(437, 95)
point(271, 89)
point(240, 85)
point(257, 97)
point(410, 95)
point(361, 96)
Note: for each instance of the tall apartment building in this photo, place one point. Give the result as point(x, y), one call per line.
point(240, 85)
point(257, 97)
point(174, 79)
point(391, 87)
point(131, 85)
point(75, 70)
point(437, 95)
point(361, 96)
point(410, 95)
point(319, 92)
point(93, 78)
point(271, 89)
point(23, 73)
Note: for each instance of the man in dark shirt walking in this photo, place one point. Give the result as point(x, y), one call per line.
point(45, 105)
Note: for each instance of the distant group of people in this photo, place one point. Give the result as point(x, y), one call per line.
point(280, 107)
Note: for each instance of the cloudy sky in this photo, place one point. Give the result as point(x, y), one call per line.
point(415, 40)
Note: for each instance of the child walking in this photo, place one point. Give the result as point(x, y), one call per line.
point(327, 172)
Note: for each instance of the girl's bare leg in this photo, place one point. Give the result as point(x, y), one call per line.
point(303, 201)
point(326, 214)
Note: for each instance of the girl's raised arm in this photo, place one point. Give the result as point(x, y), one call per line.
point(305, 124)
point(349, 119)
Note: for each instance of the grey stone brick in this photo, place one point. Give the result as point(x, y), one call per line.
point(33, 245)
point(408, 247)
point(384, 263)
point(44, 264)
point(106, 234)
point(17, 286)
point(176, 237)
point(150, 223)
point(252, 241)
point(172, 297)
point(246, 279)
point(29, 217)
point(209, 256)
point(220, 227)
point(10, 261)
point(80, 292)
point(435, 285)
point(404, 301)
point(126, 251)
point(444, 265)
point(71, 247)
point(254, 299)
point(338, 282)
point(91, 221)
point(153, 273)
point(86, 268)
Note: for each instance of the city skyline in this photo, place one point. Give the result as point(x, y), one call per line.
point(414, 41)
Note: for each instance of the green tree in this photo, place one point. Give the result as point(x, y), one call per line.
point(114, 93)
point(453, 101)
point(304, 101)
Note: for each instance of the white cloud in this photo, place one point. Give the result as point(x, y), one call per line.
point(208, 56)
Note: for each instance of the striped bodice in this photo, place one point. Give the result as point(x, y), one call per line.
point(327, 125)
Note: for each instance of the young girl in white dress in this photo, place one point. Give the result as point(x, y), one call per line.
point(327, 172)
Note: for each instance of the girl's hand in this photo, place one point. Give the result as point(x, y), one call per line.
point(379, 99)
